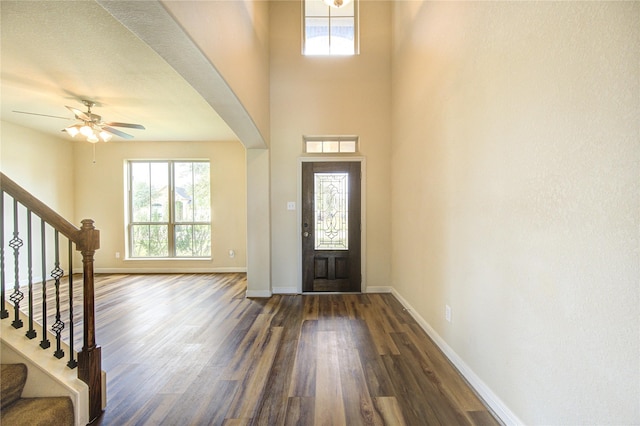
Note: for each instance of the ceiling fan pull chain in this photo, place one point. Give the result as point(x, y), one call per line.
point(94, 153)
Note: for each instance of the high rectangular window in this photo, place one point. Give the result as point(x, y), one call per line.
point(169, 209)
point(330, 30)
point(330, 144)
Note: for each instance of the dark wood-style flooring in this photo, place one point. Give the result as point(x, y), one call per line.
point(190, 349)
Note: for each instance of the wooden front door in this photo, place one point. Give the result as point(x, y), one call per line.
point(331, 226)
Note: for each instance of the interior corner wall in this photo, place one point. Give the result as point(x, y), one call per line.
point(323, 95)
point(515, 194)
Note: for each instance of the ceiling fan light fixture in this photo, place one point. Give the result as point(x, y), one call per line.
point(93, 138)
point(336, 3)
point(72, 130)
point(105, 136)
point(86, 130)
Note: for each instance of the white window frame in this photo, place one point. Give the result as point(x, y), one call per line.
point(171, 223)
point(356, 30)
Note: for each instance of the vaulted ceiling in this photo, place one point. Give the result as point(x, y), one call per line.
point(57, 53)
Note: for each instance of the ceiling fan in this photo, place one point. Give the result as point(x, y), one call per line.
point(92, 126)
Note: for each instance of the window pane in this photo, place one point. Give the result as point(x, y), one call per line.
point(315, 8)
point(140, 192)
point(317, 36)
point(150, 192)
point(201, 192)
point(159, 192)
point(331, 211)
point(192, 196)
point(331, 146)
point(348, 146)
point(342, 36)
point(193, 240)
point(149, 241)
point(314, 146)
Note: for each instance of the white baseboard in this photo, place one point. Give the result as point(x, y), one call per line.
point(285, 290)
point(490, 398)
point(219, 270)
point(379, 289)
point(258, 293)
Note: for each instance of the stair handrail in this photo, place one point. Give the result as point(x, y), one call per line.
point(87, 241)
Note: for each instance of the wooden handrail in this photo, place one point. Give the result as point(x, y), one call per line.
point(39, 208)
point(87, 241)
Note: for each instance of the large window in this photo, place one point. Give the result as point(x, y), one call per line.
point(169, 209)
point(330, 30)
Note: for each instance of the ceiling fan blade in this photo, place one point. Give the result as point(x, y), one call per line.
point(42, 115)
point(129, 125)
point(117, 132)
point(79, 114)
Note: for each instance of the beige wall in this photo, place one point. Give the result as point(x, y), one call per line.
point(329, 96)
point(234, 35)
point(41, 164)
point(100, 196)
point(515, 193)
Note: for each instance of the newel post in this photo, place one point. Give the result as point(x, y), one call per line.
point(90, 359)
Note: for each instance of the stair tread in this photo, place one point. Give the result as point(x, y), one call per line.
point(49, 411)
point(14, 377)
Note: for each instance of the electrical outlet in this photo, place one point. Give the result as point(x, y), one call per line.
point(232, 253)
point(117, 255)
point(291, 205)
point(447, 313)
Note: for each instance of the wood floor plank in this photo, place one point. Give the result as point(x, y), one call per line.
point(389, 409)
point(191, 349)
point(246, 402)
point(300, 411)
point(273, 406)
point(359, 408)
point(429, 383)
point(328, 384)
point(303, 381)
point(456, 387)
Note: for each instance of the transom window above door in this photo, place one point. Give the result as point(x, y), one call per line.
point(330, 144)
point(330, 30)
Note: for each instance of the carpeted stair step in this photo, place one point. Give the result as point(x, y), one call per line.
point(18, 411)
point(13, 376)
point(50, 411)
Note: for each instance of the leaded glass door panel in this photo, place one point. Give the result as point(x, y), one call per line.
point(331, 226)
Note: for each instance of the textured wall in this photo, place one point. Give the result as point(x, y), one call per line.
point(515, 194)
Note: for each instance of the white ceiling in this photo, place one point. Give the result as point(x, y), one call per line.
point(56, 53)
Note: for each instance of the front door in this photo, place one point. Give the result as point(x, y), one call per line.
point(331, 226)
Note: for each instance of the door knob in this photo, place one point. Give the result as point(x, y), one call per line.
point(305, 234)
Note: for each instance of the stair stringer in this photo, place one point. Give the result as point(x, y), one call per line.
point(48, 376)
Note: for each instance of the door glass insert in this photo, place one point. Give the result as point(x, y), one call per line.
point(331, 211)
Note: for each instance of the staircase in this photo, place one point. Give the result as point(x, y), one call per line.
point(16, 410)
point(37, 284)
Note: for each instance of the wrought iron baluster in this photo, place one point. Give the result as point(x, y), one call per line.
point(31, 333)
point(4, 313)
point(15, 243)
point(72, 362)
point(44, 343)
point(56, 274)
